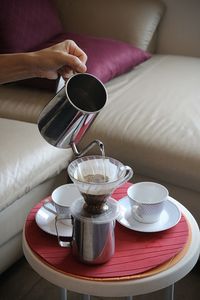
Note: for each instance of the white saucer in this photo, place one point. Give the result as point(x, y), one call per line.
point(170, 216)
point(46, 221)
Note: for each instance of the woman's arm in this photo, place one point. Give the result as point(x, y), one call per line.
point(63, 58)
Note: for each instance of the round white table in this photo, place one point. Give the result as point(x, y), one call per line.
point(125, 288)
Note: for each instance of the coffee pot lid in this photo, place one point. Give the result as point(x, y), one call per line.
point(78, 211)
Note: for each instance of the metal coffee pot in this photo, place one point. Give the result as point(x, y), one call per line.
point(93, 239)
point(66, 118)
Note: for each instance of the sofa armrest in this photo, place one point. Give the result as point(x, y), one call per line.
point(132, 21)
point(179, 31)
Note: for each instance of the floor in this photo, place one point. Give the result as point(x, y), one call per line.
point(20, 282)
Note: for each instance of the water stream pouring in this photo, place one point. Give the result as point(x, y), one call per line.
point(67, 117)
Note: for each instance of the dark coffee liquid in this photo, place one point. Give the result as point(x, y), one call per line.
point(96, 178)
point(95, 204)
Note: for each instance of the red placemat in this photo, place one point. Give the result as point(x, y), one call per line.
point(135, 252)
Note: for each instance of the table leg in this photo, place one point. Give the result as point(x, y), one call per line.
point(63, 294)
point(169, 293)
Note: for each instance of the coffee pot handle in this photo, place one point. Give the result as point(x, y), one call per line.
point(87, 148)
point(63, 243)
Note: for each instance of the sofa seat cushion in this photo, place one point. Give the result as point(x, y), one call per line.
point(26, 160)
point(152, 120)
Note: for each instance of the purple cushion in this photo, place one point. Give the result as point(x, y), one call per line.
point(26, 24)
point(108, 58)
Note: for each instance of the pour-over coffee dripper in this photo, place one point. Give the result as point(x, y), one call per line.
point(97, 177)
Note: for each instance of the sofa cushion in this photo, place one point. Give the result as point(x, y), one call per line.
point(132, 21)
point(29, 170)
point(24, 25)
point(26, 160)
point(151, 121)
point(107, 58)
point(179, 30)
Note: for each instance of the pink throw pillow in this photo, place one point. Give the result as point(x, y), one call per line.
point(26, 24)
point(108, 58)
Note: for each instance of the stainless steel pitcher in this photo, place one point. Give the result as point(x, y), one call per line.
point(66, 118)
point(93, 238)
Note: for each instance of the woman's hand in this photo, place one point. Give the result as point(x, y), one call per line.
point(64, 58)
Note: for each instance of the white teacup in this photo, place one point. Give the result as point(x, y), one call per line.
point(61, 199)
point(149, 200)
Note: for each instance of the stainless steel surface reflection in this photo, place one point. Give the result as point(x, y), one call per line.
point(93, 239)
point(93, 243)
point(66, 118)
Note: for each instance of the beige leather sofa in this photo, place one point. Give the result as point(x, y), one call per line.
point(151, 121)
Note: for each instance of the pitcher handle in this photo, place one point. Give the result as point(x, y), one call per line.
point(62, 242)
